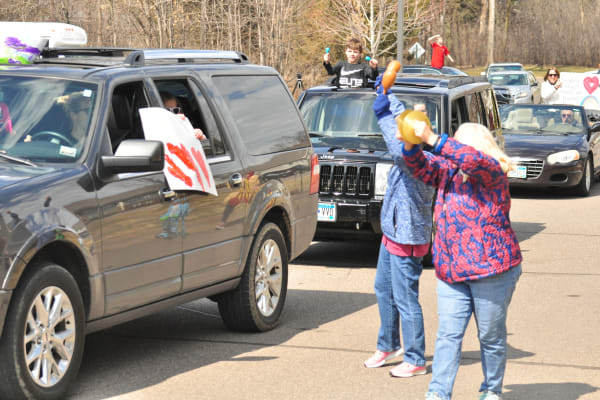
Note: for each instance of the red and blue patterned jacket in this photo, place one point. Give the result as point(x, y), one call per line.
point(474, 238)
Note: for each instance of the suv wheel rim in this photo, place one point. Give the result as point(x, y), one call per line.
point(588, 176)
point(49, 338)
point(267, 281)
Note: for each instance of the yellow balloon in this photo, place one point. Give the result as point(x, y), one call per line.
point(407, 130)
point(399, 121)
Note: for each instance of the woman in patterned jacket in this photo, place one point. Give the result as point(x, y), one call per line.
point(476, 253)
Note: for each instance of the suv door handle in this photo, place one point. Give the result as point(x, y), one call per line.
point(167, 194)
point(236, 179)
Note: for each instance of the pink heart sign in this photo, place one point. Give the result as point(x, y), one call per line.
point(590, 83)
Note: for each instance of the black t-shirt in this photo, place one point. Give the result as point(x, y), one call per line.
point(352, 75)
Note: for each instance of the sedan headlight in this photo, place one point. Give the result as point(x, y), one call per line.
point(381, 174)
point(563, 157)
point(521, 95)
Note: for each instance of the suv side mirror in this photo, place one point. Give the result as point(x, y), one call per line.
point(135, 155)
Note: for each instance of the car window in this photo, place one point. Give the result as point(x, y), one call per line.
point(264, 113)
point(474, 108)
point(124, 120)
point(458, 114)
point(498, 68)
point(188, 97)
point(488, 99)
point(508, 79)
point(45, 120)
point(543, 119)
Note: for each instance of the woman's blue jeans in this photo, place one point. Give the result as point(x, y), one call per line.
point(397, 291)
point(488, 299)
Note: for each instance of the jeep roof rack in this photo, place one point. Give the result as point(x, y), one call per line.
point(431, 81)
point(170, 56)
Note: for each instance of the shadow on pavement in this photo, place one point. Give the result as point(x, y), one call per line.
point(474, 357)
point(150, 350)
point(548, 391)
point(526, 230)
point(346, 254)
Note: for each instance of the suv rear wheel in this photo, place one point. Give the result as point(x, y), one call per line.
point(256, 304)
point(43, 338)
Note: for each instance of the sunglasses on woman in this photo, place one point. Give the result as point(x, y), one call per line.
point(174, 110)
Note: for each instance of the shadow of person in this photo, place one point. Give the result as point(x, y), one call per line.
point(548, 391)
point(526, 230)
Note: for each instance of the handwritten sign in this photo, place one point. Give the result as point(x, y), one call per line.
point(581, 89)
point(186, 167)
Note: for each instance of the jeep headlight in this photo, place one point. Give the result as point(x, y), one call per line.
point(563, 157)
point(381, 174)
point(520, 95)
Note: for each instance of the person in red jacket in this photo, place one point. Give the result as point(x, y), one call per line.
point(475, 252)
point(438, 51)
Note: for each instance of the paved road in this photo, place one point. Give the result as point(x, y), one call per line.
point(330, 324)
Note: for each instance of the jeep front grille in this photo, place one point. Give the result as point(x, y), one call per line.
point(348, 180)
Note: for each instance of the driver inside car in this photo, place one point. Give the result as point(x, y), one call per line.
point(76, 107)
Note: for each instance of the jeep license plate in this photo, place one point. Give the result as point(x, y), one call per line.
point(326, 212)
point(520, 172)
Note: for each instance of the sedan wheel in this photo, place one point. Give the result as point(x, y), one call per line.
point(585, 185)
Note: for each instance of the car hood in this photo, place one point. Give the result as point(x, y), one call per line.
point(11, 173)
point(351, 154)
point(528, 145)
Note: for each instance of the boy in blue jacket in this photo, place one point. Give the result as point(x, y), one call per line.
point(406, 226)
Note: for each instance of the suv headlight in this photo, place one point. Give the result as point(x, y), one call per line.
point(563, 157)
point(520, 95)
point(381, 174)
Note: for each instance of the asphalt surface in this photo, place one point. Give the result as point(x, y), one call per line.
point(330, 323)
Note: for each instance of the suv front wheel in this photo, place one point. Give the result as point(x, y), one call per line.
point(256, 304)
point(42, 342)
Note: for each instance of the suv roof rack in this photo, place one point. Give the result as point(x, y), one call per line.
point(137, 57)
point(431, 81)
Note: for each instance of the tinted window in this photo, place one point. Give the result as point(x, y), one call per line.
point(487, 97)
point(264, 112)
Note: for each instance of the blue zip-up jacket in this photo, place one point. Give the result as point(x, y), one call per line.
point(406, 211)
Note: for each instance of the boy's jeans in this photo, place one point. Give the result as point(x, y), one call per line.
point(488, 298)
point(397, 291)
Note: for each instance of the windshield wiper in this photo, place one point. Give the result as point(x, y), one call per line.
point(311, 134)
point(17, 159)
point(371, 134)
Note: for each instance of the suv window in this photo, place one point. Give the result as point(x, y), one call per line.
point(45, 120)
point(195, 108)
point(124, 120)
point(487, 97)
point(266, 119)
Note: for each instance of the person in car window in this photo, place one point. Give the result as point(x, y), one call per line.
point(551, 87)
point(475, 252)
point(170, 103)
point(566, 117)
point(406, 225)
point(352, 72)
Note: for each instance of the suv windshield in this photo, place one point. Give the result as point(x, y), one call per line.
point(347, 119)
point(498, 68)
point(44, 120)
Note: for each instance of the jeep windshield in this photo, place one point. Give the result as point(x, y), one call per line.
point(44, 120)
point(346, 119)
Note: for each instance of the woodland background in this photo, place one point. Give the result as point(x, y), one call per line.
point(291, 35)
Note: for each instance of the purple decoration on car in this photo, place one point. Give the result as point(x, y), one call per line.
point(16, 44)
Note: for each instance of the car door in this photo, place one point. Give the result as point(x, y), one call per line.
point(534, 87)
point(141, 253)
point(211, 227)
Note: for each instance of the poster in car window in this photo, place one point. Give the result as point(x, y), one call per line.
point(186, 167)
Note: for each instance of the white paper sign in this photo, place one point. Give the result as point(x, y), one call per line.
point(581, 89)
point(186, 167)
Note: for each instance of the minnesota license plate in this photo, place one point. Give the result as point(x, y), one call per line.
point(520, 172)
point(326, 212)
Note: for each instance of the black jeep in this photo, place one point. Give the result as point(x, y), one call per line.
point(353, 157)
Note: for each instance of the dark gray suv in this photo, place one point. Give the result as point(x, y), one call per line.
point(91, 235)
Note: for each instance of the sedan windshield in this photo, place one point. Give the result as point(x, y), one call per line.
point(347, 119)
point(498, 68)
point(542, 119)
point(44, 120)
